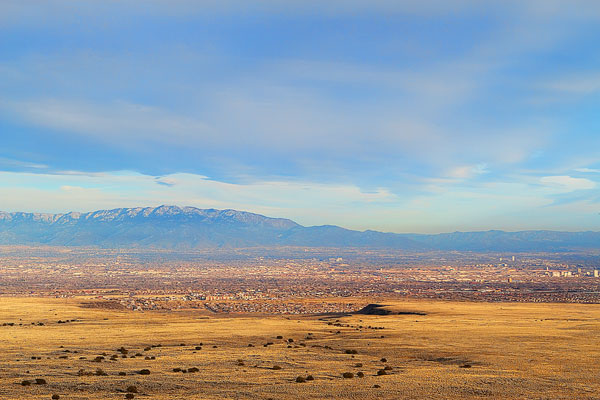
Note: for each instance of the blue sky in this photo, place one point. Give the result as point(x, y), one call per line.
point(412, 116)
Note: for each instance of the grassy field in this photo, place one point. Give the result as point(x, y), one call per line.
point(456, 350)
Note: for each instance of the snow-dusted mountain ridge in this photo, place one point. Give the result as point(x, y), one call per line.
point(189, 228)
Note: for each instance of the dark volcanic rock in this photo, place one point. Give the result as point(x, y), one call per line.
point(377, 309)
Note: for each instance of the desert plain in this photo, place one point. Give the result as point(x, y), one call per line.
point(78, 348)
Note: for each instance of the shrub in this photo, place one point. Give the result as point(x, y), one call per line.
point(129, 396)
point(381, 372)
point(310, 378)
point(384, 359)
point(348, 375)
point(131, 389)
point(360, 374)
point(465, 366)
point(122, 373)
point(300, 379)
point(40, 381)
point(198, 348)
point(387, 368)
point(55, 397)
point(176, 369)
point(193, 369)
point(358, 365)
point(276, 367)
point(351, 352)
point(25, 383)
point(279, 337)
point(376, 386)
point(144, 372)
point(100, 372)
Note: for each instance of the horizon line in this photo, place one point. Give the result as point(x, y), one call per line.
point(305, 226)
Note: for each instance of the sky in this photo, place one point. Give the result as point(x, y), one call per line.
point(402, 116)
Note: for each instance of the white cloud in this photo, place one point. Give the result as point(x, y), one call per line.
point(34, 11)
point(474, 206)
point(308, 202)
point(117, 122)
point(467, 171)
point(576, 85)
point(568, 183)
point(9, 162)
point(588, 170)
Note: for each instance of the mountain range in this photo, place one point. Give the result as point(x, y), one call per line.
point(172, 227)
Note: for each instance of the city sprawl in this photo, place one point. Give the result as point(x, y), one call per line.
point(303, 281)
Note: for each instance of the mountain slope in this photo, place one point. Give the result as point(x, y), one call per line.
point(192, 228)
point(163, 227)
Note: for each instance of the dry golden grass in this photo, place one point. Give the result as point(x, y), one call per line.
point(543, 351)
